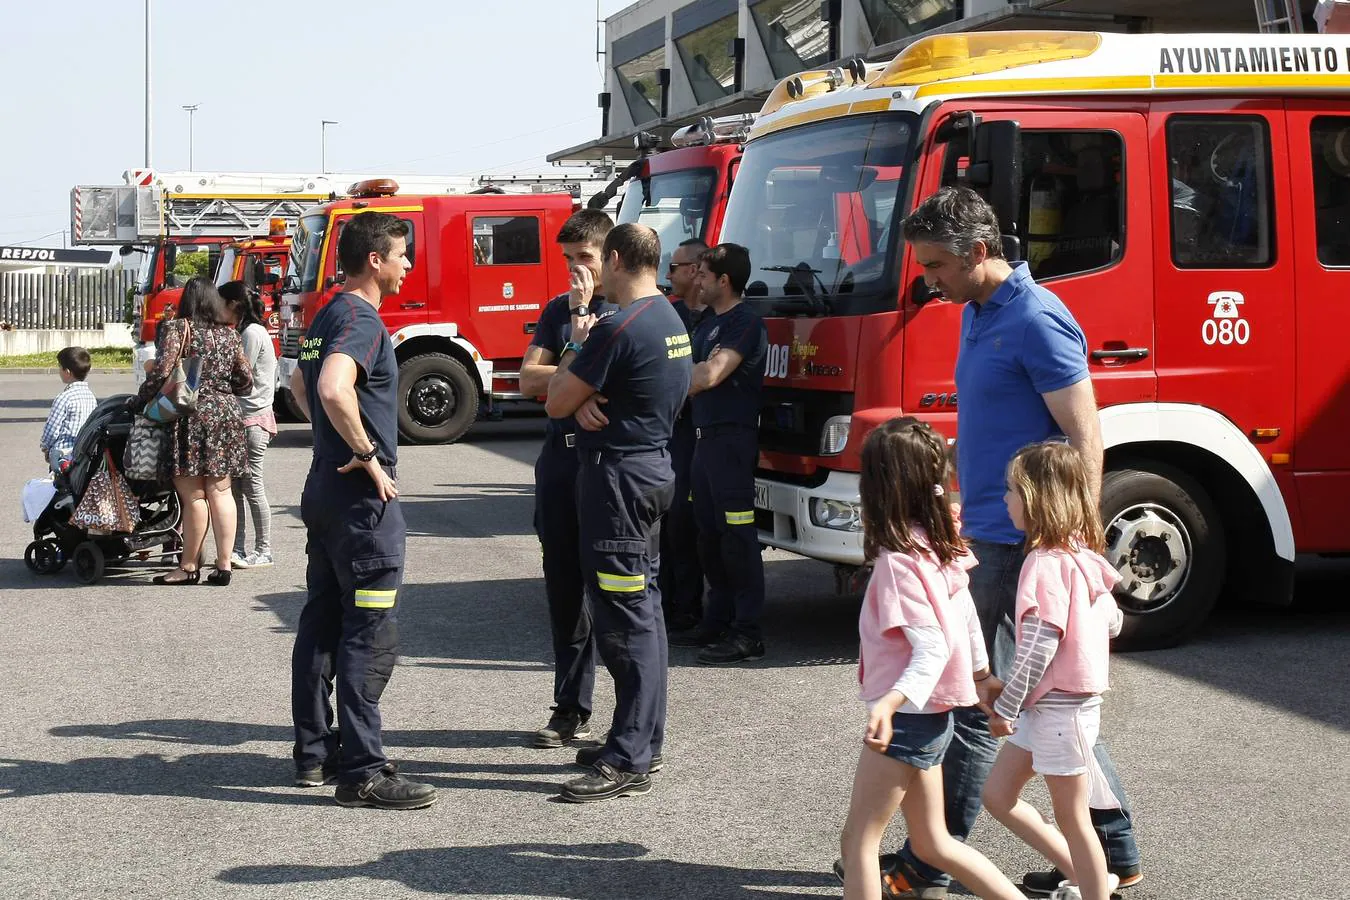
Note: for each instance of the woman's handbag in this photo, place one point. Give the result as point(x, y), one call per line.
point(148, 449)
point(108, 506)
point(178, 396)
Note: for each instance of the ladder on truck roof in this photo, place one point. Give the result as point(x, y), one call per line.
point(1279, 16)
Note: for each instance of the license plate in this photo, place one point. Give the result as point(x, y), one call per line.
point(761, 496)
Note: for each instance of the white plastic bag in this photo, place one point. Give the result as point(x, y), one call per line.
point(37, 493)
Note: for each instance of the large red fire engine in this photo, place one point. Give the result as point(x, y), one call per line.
point(484, 265)
point(1188, 196)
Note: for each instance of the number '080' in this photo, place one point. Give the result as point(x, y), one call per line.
point(1225, 331)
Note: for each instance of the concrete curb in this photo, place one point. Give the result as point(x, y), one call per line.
point(121, 370)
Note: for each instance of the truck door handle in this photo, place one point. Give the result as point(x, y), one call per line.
point(412, 305)
point(1124, 354)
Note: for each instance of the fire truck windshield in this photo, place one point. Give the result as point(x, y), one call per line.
point(675, 204)
point(816, 207)
point(225, 269)
point(305, 248)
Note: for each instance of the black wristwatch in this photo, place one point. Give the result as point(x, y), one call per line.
point(582, 310)
point(367, 457)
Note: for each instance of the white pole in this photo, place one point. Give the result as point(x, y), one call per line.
point(147, 84)
point(323, 144)
point(190, 110)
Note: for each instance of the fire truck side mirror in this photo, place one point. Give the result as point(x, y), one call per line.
point(995, 171)
point(290, 285)
point(259, 272)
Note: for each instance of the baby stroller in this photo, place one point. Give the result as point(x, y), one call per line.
point(57, 539)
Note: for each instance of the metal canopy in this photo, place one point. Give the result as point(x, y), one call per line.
point(619, 146)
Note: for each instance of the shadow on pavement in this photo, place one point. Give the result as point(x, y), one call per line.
point(576, 872)
point(1283, 657)
point(503, 624)
point(209, 733)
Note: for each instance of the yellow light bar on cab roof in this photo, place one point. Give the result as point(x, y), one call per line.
point(944, 56)
point(801, 86)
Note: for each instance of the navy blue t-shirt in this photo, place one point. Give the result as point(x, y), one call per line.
point(350, 325)
point(736, 400)
point(554, 330)
point(639, 358)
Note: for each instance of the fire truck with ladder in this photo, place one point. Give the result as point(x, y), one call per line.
point(483, 267)
point(1188, 196)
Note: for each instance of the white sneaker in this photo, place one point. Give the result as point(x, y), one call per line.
point(259, 560)
point(238, 560)
point(1067, 891)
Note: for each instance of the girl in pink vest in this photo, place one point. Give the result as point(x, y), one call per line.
point(921, 653)
point(1050, 707)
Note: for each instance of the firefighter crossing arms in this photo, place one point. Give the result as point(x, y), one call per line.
point(1268, 60)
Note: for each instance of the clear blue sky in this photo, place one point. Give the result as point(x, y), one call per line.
point(420, 86)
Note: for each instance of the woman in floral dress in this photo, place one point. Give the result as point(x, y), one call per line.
point(208, 447)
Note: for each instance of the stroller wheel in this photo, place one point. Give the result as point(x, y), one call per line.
point(44, 557)
point(89, 562)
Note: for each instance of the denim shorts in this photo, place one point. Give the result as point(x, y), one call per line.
point(920, 739)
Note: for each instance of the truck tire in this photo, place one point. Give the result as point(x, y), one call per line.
point(437, 399)
point(285, 408)
point(1164, 535)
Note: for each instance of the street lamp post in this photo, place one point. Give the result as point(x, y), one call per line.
point(192, 108)
point(323, 144)
point(147, 84)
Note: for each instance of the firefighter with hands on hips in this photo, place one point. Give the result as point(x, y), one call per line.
point(639, 359)
point(347, 385)
point(555, 482)
point(729, 353)
point(681, 571)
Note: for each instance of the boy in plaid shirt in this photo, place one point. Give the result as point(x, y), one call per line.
point(70, 409)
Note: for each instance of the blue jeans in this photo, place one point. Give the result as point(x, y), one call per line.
point(993, 586)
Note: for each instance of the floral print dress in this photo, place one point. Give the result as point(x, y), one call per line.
point(208, 442)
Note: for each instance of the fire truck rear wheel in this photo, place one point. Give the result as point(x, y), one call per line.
point(1164, 534)
point(285, 407)
point(437, 399)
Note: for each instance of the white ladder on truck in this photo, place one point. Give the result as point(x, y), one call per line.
point(1279, 16)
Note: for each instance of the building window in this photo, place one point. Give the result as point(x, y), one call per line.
point(641, 90)
point(1330, 139)
point(794, 33)
point(506, 241)
point(1222, 206)
point(707, 62)
point(894, 20)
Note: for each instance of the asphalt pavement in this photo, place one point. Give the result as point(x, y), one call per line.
point(145, 736)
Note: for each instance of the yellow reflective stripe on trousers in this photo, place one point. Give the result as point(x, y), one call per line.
point(741, 517)
point(375, 599)
point(620, 584)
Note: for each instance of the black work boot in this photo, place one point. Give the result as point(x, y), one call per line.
point(387, 790)
point(587, 757)
point(698, 636)
point(563, 726)
point(605, 782)
point(734, 649)
point(318, 776)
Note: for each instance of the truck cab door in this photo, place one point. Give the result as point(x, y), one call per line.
point(1085, 177)
point(409, 306)
point(508, 281)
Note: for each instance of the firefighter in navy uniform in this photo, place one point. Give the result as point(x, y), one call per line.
point(681, 572)
point(639, 359)
point(555, 484)
point(347, 384)
point(729, 352)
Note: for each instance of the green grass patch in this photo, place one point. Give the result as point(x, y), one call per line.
point(101, 358)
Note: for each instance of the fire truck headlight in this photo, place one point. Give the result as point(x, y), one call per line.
point(834, 436)
point(839, 515)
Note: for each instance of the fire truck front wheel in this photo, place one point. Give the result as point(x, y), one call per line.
point(1164, 535)
point(438, 399)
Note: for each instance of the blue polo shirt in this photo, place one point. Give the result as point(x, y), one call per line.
point(736, 400)
point(639, 358)
point(1022, 343)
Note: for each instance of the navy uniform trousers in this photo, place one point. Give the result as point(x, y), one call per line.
point(728, 541)
point(681, 570)
point(555, 523)
point(348, 631)
point(622, 498)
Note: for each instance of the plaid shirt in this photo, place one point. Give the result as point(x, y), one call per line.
point(70, 409)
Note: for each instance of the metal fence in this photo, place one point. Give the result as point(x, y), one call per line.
point(68, 300)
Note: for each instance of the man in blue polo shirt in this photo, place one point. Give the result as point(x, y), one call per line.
point(1022, 376)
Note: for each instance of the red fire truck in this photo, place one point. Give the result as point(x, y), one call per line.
point(1188, 196)
point(484, 265)
point(262, 265)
